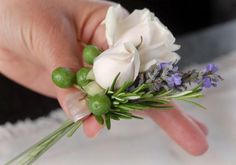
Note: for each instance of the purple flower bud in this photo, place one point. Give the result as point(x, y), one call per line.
point(175, 69)
point(163, 65)
point(174, 80)
point(211, 68)
point(177, 78)
point(207, 82)
point(170, 82)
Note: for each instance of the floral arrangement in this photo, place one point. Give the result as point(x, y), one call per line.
point(136, 73)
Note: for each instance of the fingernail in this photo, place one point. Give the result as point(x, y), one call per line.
point(77, 106)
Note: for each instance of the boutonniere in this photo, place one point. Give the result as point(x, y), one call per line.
point(137, 72)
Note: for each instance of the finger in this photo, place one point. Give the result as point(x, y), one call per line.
point(200, 125)
point(28, 74)
point(99, 38)
point(91, 127)
point(90, 26)
point(56, 46)
point(181, 129)
point(89, 22)
point(100, 33)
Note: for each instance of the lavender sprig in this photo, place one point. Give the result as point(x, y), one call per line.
point(167, 76)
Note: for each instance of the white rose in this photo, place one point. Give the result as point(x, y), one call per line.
point(123, 59)
point(158, 42)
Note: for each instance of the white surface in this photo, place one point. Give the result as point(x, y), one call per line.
point(138, 142)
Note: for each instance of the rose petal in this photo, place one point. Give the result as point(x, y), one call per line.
point(157, 41)
point(113, 17)
point(123, 59)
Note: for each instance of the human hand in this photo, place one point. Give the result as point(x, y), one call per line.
point(39, 36)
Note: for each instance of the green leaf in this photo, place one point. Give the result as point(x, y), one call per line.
point(106, 91)
point(197, 88)
point(119, 110)
point(124, 107)
point(164, 93)
point(123, 87)
point(162, 107)
point(194, 103)
point(118, 98)
point(99, 119)
point(156, 100)
point(137, 117)
point(114, 82)
point(114, 117)
point(115, 102)
point(141, 87)
point(146, 94)
point(148, 105)
point(35, 151)
point(110, 92)
point(134, 97)
point(108, 121)
point(122, 112)
point(74, 128)
point(181, 94)
point(122, 94)
point(193, 95)
point(121, 115)
point(136, 106)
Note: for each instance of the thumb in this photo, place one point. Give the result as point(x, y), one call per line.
point(58, 47)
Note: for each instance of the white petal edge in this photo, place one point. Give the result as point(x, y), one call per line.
point(113, 17)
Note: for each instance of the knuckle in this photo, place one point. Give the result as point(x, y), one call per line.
point(89, 21)
point(5, 55)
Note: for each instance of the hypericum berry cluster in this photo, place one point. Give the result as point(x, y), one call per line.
point(98, 103)
point(167, 76)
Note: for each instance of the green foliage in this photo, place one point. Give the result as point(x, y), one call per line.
point(34, 152)
point(125, 101)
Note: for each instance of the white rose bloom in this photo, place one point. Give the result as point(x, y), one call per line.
point(123, 59)
point(158, 42)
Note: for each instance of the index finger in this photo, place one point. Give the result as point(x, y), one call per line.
point(183, 130)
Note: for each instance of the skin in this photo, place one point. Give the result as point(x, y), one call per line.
point(38, 36)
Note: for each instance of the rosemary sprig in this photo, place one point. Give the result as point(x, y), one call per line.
point(34, 152)
point(125, 100)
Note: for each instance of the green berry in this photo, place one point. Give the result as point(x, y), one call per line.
point(63, 77)
point(90, 52)
point(99, 104)
point(81, 76)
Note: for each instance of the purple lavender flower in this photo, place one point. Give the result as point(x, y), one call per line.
point(174, 80)
point(207, 82)
point(167, 76)
point(209, 78)
point(175, 69)
point(211, 68)
point(163, 65)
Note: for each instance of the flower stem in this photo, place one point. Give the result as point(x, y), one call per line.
point(34, 152)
